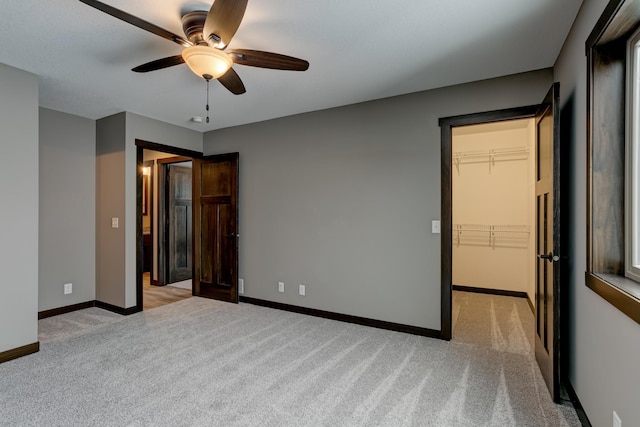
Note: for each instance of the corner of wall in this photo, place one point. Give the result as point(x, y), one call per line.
point(19, 255)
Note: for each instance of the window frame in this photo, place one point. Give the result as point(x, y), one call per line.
point(607, 177)
point(632, 155)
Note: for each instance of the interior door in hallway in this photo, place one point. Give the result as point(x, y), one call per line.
point(215, 213)
point(547, 313)
point(179, 254)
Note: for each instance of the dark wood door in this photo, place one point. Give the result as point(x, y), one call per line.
point(547, 313)
point(180, 217)
point(215, 218)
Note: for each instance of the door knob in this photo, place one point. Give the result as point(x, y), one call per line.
point(550, 257)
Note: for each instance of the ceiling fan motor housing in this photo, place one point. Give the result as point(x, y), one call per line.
point(193, 24)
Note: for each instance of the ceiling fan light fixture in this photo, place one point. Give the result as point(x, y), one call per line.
point(205, 60)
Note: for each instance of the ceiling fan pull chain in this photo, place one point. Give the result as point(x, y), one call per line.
point(208, 80)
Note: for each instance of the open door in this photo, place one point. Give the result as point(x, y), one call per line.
point(215, 220)
point(547, 313)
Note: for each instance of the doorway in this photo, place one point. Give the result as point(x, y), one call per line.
point(493, 251)
point(493, 209)
point(213, 219)
point(154, 288)
point(549, 221)
point(448, 168)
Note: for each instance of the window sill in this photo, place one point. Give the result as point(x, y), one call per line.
point(621, 292)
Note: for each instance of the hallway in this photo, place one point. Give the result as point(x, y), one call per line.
point(157, 296)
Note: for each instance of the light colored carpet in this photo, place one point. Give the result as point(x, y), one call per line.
point(200, 362)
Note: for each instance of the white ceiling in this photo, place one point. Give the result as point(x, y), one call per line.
point(358, 50)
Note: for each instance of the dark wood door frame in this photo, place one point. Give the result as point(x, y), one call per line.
point(446, 125)
point(142, 145)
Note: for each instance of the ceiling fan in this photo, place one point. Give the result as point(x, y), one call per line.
point(207, 36)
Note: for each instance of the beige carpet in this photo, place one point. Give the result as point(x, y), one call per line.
point(203, 362)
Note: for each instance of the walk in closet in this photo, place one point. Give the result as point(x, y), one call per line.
point(493, 206)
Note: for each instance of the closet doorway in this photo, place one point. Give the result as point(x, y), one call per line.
point(493, 245)
point(549, 237)
point(493, 212)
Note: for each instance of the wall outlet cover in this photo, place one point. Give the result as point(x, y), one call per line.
point(68, 288)
point(302, 290)
point(280, 286)
point(241, 286)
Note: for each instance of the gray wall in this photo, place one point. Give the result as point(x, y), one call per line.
point(116, 197)
point(605, 343)
point(19, 208)
point(110, 203)
point(342, 200)
point(67, 209)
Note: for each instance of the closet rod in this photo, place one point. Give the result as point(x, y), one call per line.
point(493, 152)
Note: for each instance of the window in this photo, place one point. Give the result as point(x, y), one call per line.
point(632, 184)
point(613, 193)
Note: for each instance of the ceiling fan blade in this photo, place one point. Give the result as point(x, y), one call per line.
point(259, 58)
point(140, 23)
point(231, 80)
point(159, 64)
point(223, 21)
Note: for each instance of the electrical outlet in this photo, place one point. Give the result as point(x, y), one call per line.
point(241, 286)
point(617, 422)
point(68, 288)
point(435, 227)
point(280, 286)
point(114, 222)
point(302, 290)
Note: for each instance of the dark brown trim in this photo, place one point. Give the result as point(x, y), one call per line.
point(577, 405)
point(489, 116)
point(602, 32)
point(25, 350)
point(446, 228)
point(602, 24)
point(516, 294)
point(489, 291)
point(88, 304)
point(118, 310)
point(139, 236)
point(381, 324)
point(446, 125)
point(618, 298)
point(533, 309)
point(67, 309)
point(167, 149)
point(606, 128)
